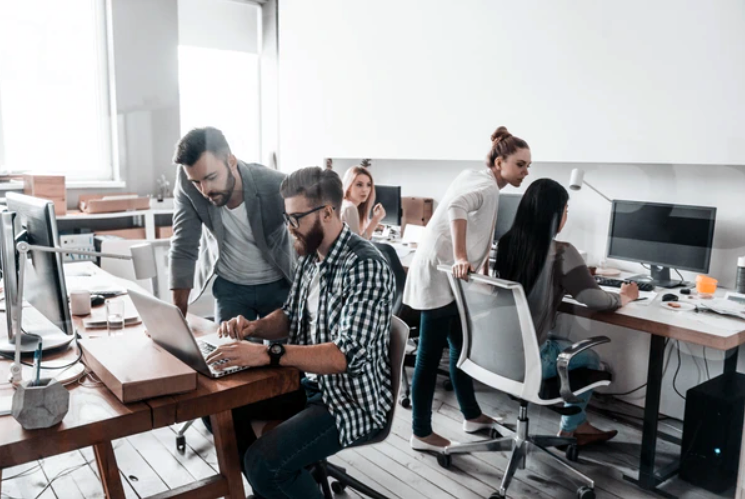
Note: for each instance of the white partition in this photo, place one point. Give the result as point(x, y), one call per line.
point(582, 80)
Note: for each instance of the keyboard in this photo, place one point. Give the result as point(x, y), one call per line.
point(616, 283)
point(206, 349)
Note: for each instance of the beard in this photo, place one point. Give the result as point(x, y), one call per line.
point(309, 243)
point(221, 197)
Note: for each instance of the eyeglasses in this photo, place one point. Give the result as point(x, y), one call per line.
point(293, 220)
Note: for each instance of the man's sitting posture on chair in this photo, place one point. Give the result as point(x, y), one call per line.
point(337, 318)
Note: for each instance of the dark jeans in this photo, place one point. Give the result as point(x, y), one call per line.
point(439, 327)
point(275, 464)
point(252, 302)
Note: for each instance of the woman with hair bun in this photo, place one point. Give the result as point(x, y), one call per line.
point(459, 234)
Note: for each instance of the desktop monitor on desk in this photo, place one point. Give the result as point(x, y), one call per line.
point(664, 236)
point(390, 197)
point(32, 220)
point(506, 212)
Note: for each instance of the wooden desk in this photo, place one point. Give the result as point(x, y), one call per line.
point(662, 325)
point(96, 418)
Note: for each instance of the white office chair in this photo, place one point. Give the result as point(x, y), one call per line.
point(500, 349)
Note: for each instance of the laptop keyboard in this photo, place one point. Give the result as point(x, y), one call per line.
point(206, 349)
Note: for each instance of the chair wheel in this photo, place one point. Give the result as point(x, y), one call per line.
point(494, 434)
point(405, 402)
point(572, 453)
point(444, 460)
point(180, 443)
point(497, 495)
point(338, 487)
point(447, 385)
point(585, 492)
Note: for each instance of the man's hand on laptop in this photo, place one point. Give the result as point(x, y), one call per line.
point(240, 354)
point(237, 328)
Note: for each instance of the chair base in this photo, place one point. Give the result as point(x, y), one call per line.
point(324, 470)
point(521, 443)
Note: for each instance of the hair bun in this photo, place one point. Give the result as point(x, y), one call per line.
point(500, 133)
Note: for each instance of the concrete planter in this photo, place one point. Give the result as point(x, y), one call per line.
point(40, 406)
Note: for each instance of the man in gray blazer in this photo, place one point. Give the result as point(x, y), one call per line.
point(246, 244)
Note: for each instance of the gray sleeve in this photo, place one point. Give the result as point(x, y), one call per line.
point(578, 282)
point(351, 216)
point(187, 230)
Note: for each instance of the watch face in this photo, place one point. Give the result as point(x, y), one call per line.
point(276, 349)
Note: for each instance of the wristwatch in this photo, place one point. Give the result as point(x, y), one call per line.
point(276, 351)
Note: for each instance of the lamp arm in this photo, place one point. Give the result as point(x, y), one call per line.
point(597, 191)
point(16, 317)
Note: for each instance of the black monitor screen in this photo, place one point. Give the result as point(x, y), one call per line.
point(506, 212)
point(390, 197)
point(675, 236)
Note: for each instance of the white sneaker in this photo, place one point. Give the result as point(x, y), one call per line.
point(421, 445)
point(473, 427)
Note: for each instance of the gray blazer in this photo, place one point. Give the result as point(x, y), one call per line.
point(264, 206)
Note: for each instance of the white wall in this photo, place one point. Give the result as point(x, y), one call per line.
point(634, 81)
point(587, 228)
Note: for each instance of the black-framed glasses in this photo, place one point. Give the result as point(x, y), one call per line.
point(293, 220)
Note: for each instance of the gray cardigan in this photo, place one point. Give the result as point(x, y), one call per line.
point(264, 206)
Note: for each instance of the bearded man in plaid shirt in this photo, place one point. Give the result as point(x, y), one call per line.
point(337, 319)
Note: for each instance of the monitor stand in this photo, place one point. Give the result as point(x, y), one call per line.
point(660, 277)
point(49, 341)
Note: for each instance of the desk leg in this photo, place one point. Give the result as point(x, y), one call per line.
point(730, 360)
point(109, 471)
point(227, 453)
point(648, 479)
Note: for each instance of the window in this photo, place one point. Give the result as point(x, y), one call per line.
point(218, 60)
point(55, 105)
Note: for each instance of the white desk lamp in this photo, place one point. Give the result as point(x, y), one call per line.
point(143, 257)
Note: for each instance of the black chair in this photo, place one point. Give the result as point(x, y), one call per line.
point(410, 317)
point(324, 470)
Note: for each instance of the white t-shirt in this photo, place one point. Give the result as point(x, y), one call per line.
point(311, 307)
point(241, 261)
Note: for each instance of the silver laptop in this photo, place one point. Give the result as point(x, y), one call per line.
point(168, 328)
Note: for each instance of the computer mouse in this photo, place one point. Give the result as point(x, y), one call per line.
point(669, 297)
point(97, 300)
point(685, 291)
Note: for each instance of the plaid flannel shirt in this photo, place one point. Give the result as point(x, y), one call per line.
point(354, 313)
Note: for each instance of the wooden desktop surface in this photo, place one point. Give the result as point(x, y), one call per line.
point(96, 417)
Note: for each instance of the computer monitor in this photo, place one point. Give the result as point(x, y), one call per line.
point(390, 197)
point(664, 236)
point(33, 221)
point(506, 212)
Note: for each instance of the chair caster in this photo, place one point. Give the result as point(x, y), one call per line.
point(405, 402)
point(572, 453)
point(494, 434)
point(497, 495)
point(447, 385)
point(180, 443)
point(445, 461)
point(338, 487)
point(585, 493)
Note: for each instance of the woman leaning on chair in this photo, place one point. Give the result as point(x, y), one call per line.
point(549, 269)
point(359, 199)
point(459, 234)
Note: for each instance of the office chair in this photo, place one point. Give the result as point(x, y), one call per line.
point(389, 252)
point(324, 470)
point(500, 349)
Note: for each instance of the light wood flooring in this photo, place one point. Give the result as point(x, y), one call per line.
point(150, 463)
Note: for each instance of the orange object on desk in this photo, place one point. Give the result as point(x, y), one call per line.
point(706, 285)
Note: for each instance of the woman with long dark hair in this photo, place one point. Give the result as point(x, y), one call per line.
point(549, 269)
point(459, 234)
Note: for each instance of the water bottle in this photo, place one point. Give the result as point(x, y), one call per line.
point(740, 280)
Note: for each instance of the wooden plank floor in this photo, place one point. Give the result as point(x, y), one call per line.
point(149, 462)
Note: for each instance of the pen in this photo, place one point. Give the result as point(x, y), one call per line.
point(640, 299)
point(37, 364)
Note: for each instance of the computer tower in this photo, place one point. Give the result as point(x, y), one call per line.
point(712, 432)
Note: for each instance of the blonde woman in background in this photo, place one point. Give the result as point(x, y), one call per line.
point(359, 198)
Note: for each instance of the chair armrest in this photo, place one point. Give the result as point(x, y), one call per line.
point(566, 356)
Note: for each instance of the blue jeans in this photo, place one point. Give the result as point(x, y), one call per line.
point(252, 302)
point(439, 327)
point(275, 465)
point(549, 353)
